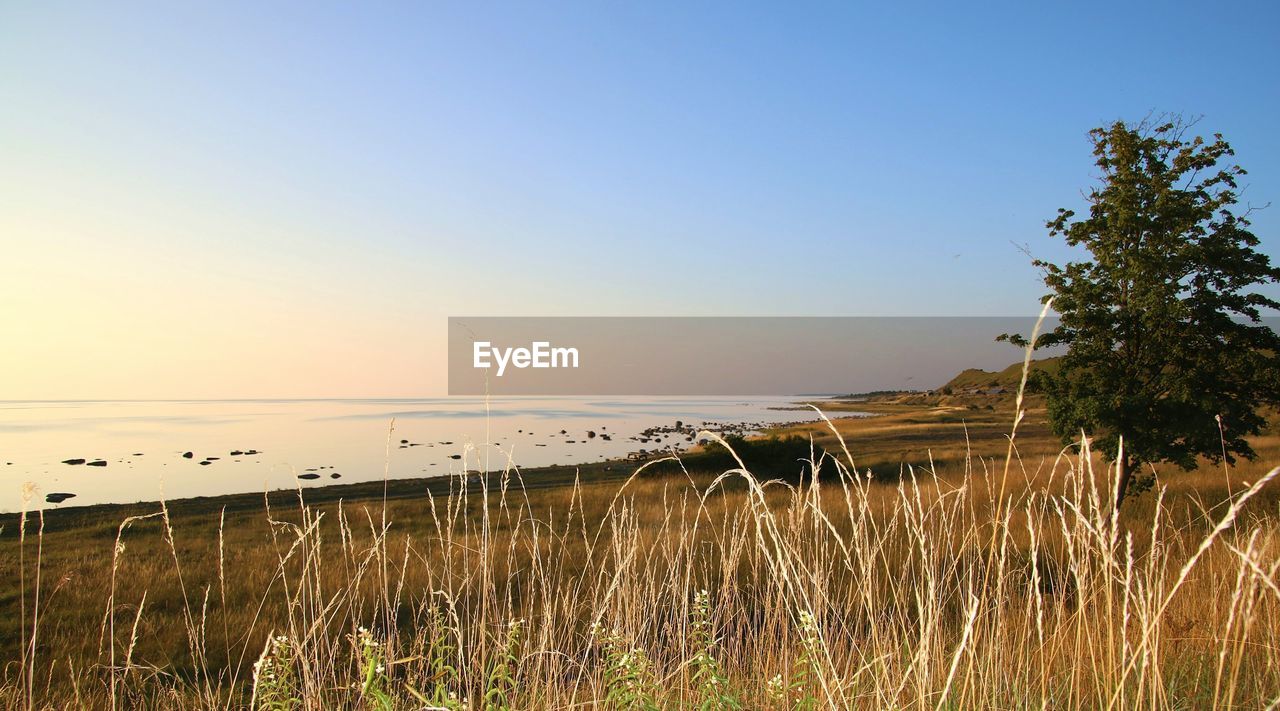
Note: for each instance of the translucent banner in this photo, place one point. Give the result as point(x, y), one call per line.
point(722, 355)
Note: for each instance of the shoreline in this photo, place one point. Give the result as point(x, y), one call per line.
point(334, 442)
point(62, 518)
point(921, 414)
point(915, 411)
point(534, 478)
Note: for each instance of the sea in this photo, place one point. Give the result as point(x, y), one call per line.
point(151, 450)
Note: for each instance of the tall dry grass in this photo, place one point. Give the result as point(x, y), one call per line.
point(1006, 585)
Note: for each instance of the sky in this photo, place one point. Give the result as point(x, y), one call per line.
point(219, 200)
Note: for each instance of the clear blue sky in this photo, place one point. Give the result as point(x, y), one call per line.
point(230, 181)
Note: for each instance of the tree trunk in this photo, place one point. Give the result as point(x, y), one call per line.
point(1126, 473)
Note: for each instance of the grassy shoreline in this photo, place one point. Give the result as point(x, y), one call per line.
point(964, 573)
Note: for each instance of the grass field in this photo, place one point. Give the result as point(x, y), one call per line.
point(942, 559)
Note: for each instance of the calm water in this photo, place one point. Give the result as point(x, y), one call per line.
point(142, 443)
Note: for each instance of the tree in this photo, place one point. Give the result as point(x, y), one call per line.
point(1165, 349)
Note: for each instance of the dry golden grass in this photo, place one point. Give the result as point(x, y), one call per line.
point(983, 576)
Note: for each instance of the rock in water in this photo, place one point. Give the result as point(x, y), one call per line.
point(187, 455)
point(97, 463)
point(308, 476)
point(58, 497)
point(71, 461)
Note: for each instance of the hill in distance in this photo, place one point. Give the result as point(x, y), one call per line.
point(971, 381)
point(976, 381)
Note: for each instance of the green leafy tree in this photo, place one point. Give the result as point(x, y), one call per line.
point(1165, 350)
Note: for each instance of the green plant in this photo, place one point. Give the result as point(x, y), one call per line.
point(500, 687)
point(628, 674)
point(802, 676)
point(1167, 358)
point(275, 681)
point(373, 671)
point(442, 674)
point(709, 679)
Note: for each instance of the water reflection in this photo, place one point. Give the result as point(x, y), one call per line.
point(252, 445)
